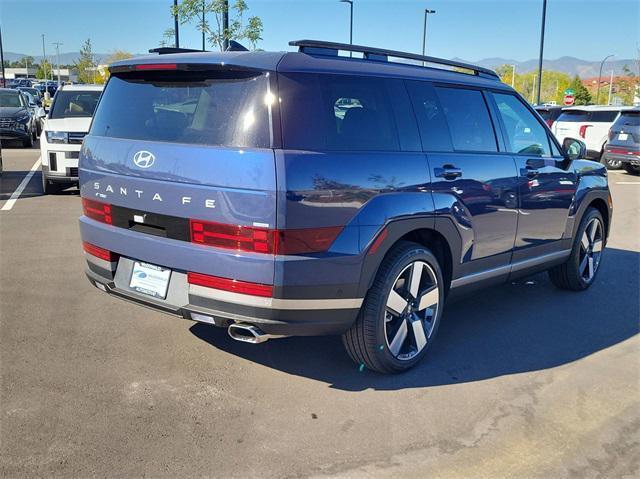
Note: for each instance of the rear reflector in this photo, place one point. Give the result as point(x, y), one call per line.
point(98, 252)
point(97, 210)
point(233, 285)
point(157, 66)
point(263, 240)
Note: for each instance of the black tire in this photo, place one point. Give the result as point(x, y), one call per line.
point(632, 170)
point(49, 188)
point(28, 143)
point(571, 274)
point(367, 341)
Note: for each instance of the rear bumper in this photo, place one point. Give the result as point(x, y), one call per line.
point(624, 157)
point(14, 134)
point(289, 317)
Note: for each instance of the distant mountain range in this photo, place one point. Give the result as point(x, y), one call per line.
point(570, 65)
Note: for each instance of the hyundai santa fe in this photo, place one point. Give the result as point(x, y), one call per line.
point(313, 193)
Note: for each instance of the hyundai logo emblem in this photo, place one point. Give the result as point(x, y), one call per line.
point(144, 159)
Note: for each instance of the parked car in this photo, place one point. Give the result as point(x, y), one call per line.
point(549, 113)
point(231, 189)
point(624, 141)
point(49, 86)
point(34, 92)
point(16, 120)
point(37, 112)
point(65, 126)
point(591, 124)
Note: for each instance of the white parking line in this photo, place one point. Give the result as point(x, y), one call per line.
point(23, 184)
point(627, 182)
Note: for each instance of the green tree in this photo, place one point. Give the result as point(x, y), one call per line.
point(115, 56)
point(86, 65)
point(168, 38)
point(44, 70)
point(582, 95)
point(191, 10)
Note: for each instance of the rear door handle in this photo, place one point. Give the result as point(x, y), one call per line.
point(448, 172)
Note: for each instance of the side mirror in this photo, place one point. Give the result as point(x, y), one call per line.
point(574, 149)
point(40, 113)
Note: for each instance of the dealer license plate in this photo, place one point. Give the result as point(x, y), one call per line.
point(150, 279)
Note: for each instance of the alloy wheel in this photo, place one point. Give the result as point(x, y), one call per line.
point(411, 310)
point(590, 250)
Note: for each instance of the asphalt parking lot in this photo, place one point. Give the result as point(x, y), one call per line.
point(524, 380)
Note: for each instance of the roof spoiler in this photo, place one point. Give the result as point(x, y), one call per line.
point(317, 47)
point(169, 50)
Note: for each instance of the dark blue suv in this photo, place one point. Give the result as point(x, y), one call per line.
point(311, 193)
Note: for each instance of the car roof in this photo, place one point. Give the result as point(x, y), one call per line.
point(81, 87)
point(308, 63)
point(598, 108)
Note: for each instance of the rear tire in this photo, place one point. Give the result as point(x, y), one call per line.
point(632, 170)
point(580, 270)
point(28, 143)
point(401, 313)
point(49, 188)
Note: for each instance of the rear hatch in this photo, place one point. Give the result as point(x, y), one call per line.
point(568, 124)
point(171, 145)
point(625, 132)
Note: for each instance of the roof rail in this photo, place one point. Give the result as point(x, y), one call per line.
point(168, 50)
point(318, 47)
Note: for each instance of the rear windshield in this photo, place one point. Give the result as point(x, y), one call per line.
point(629, 118)
point(74, 104)
point(582, 116)
point(206, 108)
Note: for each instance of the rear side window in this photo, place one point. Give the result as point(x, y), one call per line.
point(603, 116)
point(524, 134)
point(468, 118)
point(74, 104)
point(573, 116)
point(430, 115)
point(336, 112)
point(205, 108)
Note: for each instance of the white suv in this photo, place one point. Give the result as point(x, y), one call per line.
point(66, 125)
point(591, 124)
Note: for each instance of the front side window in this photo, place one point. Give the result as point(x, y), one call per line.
point(468, 118)
point(525, 135)
point(74, 104)
point(337, 113)
point(222, 108)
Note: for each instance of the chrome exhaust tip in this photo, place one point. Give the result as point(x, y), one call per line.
point(248, 333)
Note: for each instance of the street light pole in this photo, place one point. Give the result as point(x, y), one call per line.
point(44, 59)
point(424, 32)
point(26, 66)
point(4, 79)
point(350, 2)
point(544, 19)
point(600, 78)
point(610, 88)
point(57, 44)
point(225, 26)
point(175, 23)
point(203, 7)
point(513, 77)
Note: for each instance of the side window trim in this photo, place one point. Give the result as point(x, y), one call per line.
point(496, 120)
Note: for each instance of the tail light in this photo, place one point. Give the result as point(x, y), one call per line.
point(232, 285)
point(263, 240)
point(97, 210)
point(98, 252)
point(583, 131)
point(156, 66)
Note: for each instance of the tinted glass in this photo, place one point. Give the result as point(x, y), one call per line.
point(74, 104)
point(468, 118)
point(573, 116)
point(545, 114)
point(10, 99)
point(525, 135)
point(603, 116)
point(430, 115)
point(629, 118)
point(336, 112)
point(222, 108)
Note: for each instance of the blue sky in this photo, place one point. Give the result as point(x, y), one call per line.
point(469, 29)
